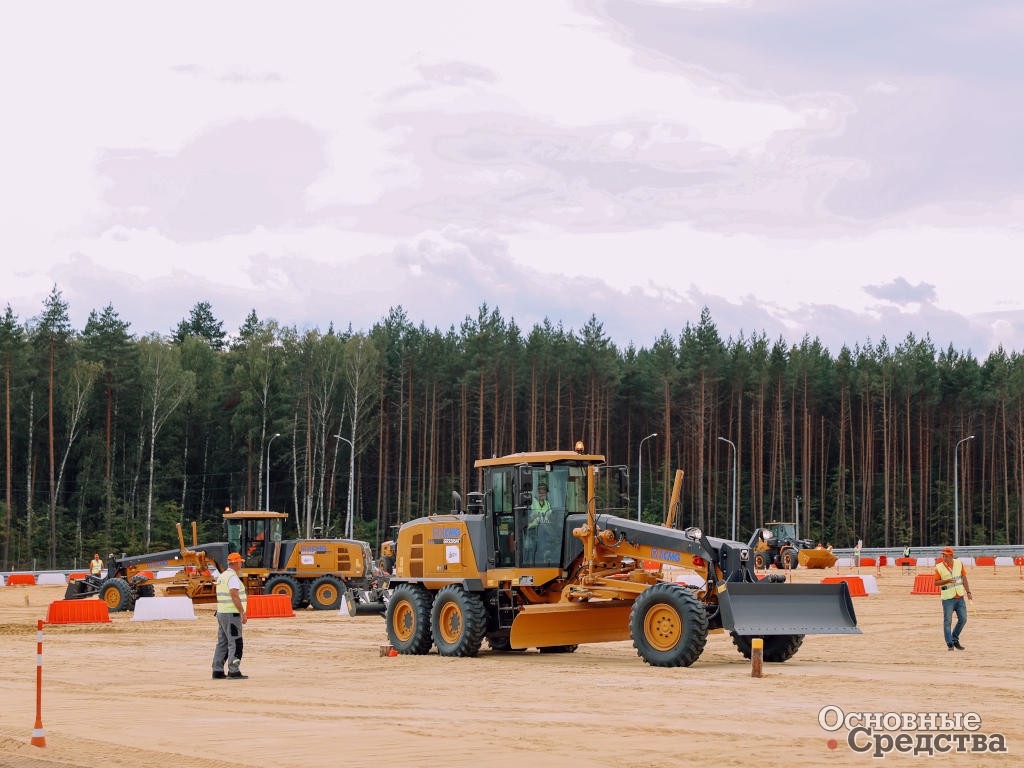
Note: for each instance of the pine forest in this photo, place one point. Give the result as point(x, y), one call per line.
point(111, 438)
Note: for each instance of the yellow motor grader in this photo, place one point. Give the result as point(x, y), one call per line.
point(523, 572)
point(317, 572)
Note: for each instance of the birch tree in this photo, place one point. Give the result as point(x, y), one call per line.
point(167, 386)
point(362, 379)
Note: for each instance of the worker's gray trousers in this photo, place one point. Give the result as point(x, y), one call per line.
point(229, 642)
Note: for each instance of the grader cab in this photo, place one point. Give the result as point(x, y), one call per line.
point(552, 574)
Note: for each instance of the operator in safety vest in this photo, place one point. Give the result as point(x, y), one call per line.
point(231, 604)
point(951, 578)
point(96, 565)
point(539, 534)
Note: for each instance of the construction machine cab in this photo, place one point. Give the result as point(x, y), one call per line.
point(782, 531)
point(529, 504)
point(256, 536)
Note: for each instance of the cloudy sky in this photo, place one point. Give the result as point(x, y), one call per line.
point(844, 169)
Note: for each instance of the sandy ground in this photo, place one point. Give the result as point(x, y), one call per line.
point(138, 694)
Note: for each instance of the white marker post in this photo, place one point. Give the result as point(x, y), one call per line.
point(38, 734)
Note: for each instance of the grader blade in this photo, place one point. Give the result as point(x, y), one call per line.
point(538, 626)
point(788, 609)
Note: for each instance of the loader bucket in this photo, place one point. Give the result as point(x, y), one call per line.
point(538, 626)
point(816, 558)
point(788, 609)
point(75, 590)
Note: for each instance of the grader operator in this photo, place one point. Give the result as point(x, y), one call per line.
point(578, 575)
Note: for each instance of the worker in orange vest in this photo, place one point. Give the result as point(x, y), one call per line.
point(951, 578)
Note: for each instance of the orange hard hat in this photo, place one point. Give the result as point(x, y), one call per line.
point(234, 557)
point(947, 551)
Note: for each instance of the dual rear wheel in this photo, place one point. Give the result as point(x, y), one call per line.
point(455, 620)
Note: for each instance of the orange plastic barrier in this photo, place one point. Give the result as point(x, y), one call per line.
point(855, 583)
point(78, 576)
point(906, 561)
point(925, 585)
point(77, 612)
point(984, 560)
point(269, 606)
point(864, 561)
point(25, 579)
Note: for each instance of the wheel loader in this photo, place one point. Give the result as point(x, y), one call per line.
point(505, 571)
point(784, 549)
point(317, 572)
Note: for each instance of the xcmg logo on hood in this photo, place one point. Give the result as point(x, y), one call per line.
point(446, 533)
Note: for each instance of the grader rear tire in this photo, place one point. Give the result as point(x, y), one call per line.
point(459, 621)
point(668, 625)
point(285, 585)
point(777, 648)
point(118, 595)
point(325, 593)
point(408, 620)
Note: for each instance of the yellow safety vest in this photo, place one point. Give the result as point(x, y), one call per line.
point(956, 589)
point(224, 602)
point(96, 566)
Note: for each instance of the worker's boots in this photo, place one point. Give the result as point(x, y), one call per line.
point(237, 675)
point(218, 674)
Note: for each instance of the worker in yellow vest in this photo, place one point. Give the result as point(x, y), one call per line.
point(231, 605)
point(96, 565)
point(951, 578)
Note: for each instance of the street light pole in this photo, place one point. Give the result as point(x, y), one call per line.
point(267, 506)
point(348, 503)
point(732, 445)
point(640, 473)
point(956, 491)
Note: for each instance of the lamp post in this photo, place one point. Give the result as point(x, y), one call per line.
point(956, 491)
point(732, 445)
point(276, 434)
point(351, 468)
point(640, 473)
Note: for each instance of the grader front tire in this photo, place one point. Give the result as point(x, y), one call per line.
point(118, 595)
point(668, 625)
point(777, 648)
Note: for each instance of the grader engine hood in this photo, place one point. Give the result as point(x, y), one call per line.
point(674, 547)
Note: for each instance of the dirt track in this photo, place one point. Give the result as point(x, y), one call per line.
point(139, 694)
